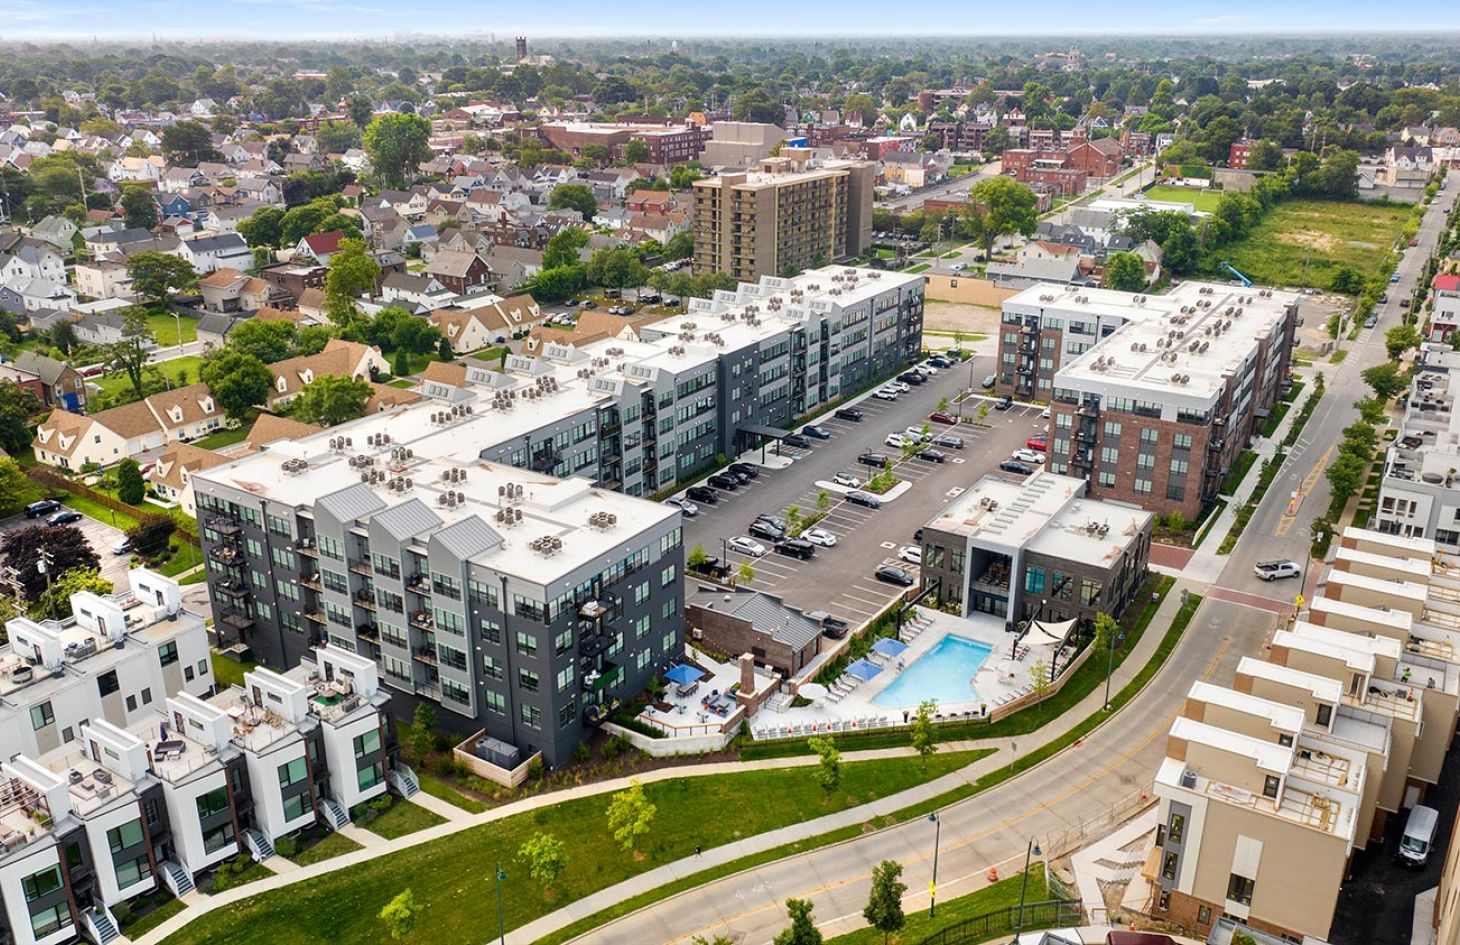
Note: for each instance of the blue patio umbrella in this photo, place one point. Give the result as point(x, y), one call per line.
point(863, 670)
point(684, 674)
point(889, 647)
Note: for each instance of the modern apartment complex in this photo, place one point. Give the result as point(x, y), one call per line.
point(1419, 494)
point(1153, 397)
point(1036, 549)
point(789, 212)
point(127, 772)
point(1269, 786)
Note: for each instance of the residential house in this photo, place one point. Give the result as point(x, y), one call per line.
point(175, 180)
point(28, 380)
point(461, 272)
point(511, 266)
point(213, 329)
point(57, 232)
point(171, 475)
point(411, 204)
point(1446, 315)
point(224, 218)
point(106, 241)
point(29, 258)
point(71, 441)
point(422, 234)
point(319, 247)
point(102, 326)
point(230, 290)
point(422, 293)
point(147, 170)
point(37, 295)
point(211, 253)
point(270, 428)
point(649, 201)
point(260, 190)
point(339, 358)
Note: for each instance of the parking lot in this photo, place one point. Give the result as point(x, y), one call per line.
point(103, 539)
point(840, 579)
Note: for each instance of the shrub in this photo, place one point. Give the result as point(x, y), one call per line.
point(286, 846)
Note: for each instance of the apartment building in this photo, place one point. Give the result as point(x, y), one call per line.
point(1419, 493)
point(1153, 397)
point(1036, 549)
point(1269, 786)
point(789, 213)
point(1445, 315)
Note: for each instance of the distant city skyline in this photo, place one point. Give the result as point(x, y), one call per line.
point(304, 19)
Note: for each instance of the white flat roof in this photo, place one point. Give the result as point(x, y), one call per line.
point(1269, 756)
point(1418, 568)
point(1284, 717)
point(1323, 688)
point(1401, 589)
point(1377, 615)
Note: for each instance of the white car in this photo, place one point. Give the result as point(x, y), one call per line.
point(846, 479)
point(1044, 414)
point(819, 536)
point(958, 267)
point(899, 386)
point(928, 369)
point(885, 393)
point(896, 440)
point(1029, 456)
point(747, 546)
point(912, 554)
point(684, 505)
point(915, 434)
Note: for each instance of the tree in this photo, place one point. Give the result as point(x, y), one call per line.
point(1386, 379)
point(1347, 280)
point(884, 903)
point(1346, 473)
point(237, 379)
point(16, 488)
point(399, 915)
point(1400, 339)
point(998, 206)
point(423, 730)
point(352, 273)
point(444, 352)
point(128, 357)
point(574, 197)
point(138, 208)
point(151, 535)
point(546, 857)
point(680, 246)
point(803, 930)
point(187, 143)
point(337, 137)
point(400, 365)
point(924, 735)
point(636, 151)
point(131, 488)
point(269, 341)
point(694, 561)
point(1126, 272)
point(746, 573)
point(563, 246)
point(155, 276)
point(756, 104)
point(616, 267)
point(397, 144)
point(55, 601)
point(262, 227)
point(828, 771)
point(1264, 155)
point(630, 815)
point(1039, 680)
point(17, 405)
point(331, 399)
point(415, 335)
point(65, 545)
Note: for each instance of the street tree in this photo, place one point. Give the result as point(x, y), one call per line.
point(238, 380)
point(802, 930)
point(55, 601)
point(828, 771)
point(352, 273)
point(1400, 339)
point(884, 903)
point(1346, 473)
point(139, 211)
point(423, 731)
point(1039, 683)
point(156, 276)
point(64, 547)
point(1125, 272)
point(546, 857)
point(331, 399)
point(924, 735)
point(746, 573)
point(397, 144)
point(574, 197)
point(399, 915)
point(998, 206)
point(131, 488)
point(129, 357)
point(563, 246)
point(616, 267)
point(1386, 379)
point(630, 815)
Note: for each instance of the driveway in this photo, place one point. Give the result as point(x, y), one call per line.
point(102, 537)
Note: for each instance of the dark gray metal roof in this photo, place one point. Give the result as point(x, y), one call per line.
point(466, 538)
point(410, 518)
point(353, 502)
point(769, 615)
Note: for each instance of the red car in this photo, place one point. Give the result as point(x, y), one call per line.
point(1037, 443)
point(938, 416)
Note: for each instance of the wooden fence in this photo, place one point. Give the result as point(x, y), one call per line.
point(53, 483)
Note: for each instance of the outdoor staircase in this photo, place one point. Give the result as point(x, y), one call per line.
point(334, 816)
point(779, 702)
point(99, 926)
point(404, 780)
point(177, 879)
point(258, 845)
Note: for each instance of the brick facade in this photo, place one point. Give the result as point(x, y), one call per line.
point(734, 635)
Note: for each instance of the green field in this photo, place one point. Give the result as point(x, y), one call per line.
point(1001, 895)
point(1303, 242)
point(1203, 200)
point(169, 369)
point(165, 327)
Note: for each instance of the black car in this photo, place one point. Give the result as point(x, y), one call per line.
point(1004, 404)
point(712, 566)
point(775, 520)
point(911, 377)
point(918, 536)
point(744, 469)
point(949, 440)
point(834, 627)
point(932, 455)
point(766, 530)
point(893, 575)
point(64, 517)
point(864, 499)
point(43, 507)
point(816, 432)
point(871, 458)
point(939, 362)
point(702, 494)
point(796, 548)
point(724, 481)
point(1014, 466)
point(797, 440)
point(849, 413)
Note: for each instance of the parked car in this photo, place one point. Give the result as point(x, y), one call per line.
point(685, 506)
point(1404, 303)
point(948, 440)
point(833, 627)
point(712, 566)
point(1371, 321)
point(846, 479)
point(820, 536)
point(938, 361)
point(872, 458)
point(1005, 403)
point(1383, 297)
point(1394, 278)
point(1014, 466)
point(64, 517)
point(928, 368)
point(775, 520)
point(747, 546)
point(796, 548)
point(744, 469)
point(918, 536)
point(1275, 570)
point(1037, 443)
point(938, 416)
point(123, 547)
point(915, 434)
point(885, 393)
point(911, 377)
point(849, 413)
point(893, 575)
point(1419, 835)
point(864, 499)
point(797, 440)
point(932, 455)
point(702, 494)
point(43, 507)
point(816, 432)
point(766, 530)
point(988, 382)
point(912, 554)
point(896, 440)
point(1029, 456)
point(899, 386)
point(724, 481)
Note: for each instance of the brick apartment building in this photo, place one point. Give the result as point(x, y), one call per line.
point(960, 135)
point(1237, 153)
point(1153, 397)
point(672, 144)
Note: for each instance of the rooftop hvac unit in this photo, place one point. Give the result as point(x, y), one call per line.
point(1188, 779)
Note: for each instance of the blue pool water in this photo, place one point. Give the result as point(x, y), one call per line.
point(944, 673)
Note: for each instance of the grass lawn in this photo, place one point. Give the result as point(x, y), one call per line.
point(1323, 234)
point(1003, 895)
point(100, 512)
point(222, 438)
point(229, 672)
point(150, 921)
point(333, 845)
point(442, 791)
point(920, 267)
point(1203, 200)
point(165, 327)
point(418, 361)
point(447, 876)
point(169, 369)
point(183, 560)
point(402, 818)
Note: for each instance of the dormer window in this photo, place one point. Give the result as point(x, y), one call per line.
point(175, 414)
point(207, 404)
point(307, 375)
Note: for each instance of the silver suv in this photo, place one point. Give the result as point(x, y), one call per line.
point(1273, 570)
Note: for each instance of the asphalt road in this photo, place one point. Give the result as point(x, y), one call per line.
point(839, 579)
point(955, 189)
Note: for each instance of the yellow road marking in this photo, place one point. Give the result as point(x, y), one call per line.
point(1285, 524)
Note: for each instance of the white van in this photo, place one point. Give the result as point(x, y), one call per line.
point(1419, 836)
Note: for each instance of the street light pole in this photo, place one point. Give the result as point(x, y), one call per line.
point(1029, 852)
point(933, 886)
point(1109, 666)
point(501, 926)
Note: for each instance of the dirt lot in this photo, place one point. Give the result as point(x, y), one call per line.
point(959, 316)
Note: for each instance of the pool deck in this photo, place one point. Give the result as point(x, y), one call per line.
point(1000, 679)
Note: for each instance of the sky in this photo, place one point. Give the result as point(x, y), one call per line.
point(384, 19)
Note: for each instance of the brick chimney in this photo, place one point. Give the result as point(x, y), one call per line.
point(747, 673)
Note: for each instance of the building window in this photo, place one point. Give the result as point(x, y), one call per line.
point(132, 872)
point(371, 775)
point(531, 716)
point(367, 743)
point(1325, 715)
point(41, 716)
point(526, 644)
point(1168, 866)
point(167, 654)
point(496, 701)
point(219, 837)
point(1177, 828)
point(107, 684)
point(1034, 580)
point(1285, 740)
point(527, 680)
point(51, 920)
point(1239, 889)
point(41, 884)
point(213, 803)
point(127, 835)
point(296, 806)
point(1270, 785)
point(1163, 902)
point(293, 772)
point(1203, 915)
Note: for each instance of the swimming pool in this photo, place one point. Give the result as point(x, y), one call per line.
point(944, 673)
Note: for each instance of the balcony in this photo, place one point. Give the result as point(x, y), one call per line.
point(225, 525)
point(360, 567)
point(312, 581)
point(597, 682)
point(423, 620)
point(233, 589)
point(593, 645)
point(307, 547)
point(367, 632)
point(238, 621)
point(418, 584)
point(424, 654)
point(315, 616)
point(366, 601)
point(224, 554)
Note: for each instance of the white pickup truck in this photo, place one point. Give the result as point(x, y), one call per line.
point(1273, 570)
